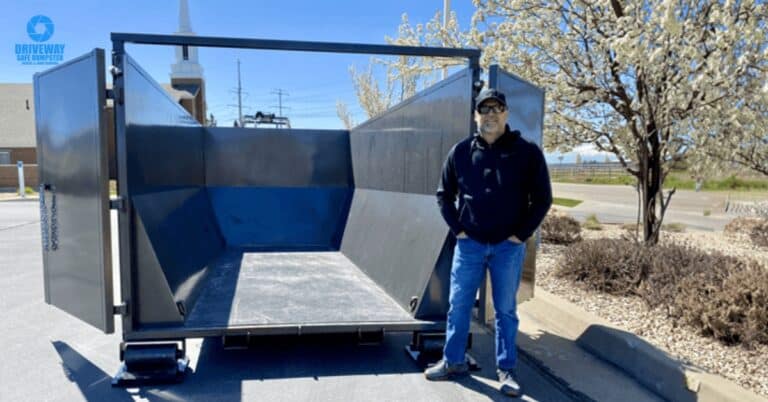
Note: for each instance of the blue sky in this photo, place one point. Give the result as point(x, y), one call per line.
point(314, 81)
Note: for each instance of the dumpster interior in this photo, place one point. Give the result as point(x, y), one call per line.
point(251, 228)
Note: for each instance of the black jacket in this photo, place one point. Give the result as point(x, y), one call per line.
point(503, 188)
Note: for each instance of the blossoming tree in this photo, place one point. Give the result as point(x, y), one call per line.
point(653, 82)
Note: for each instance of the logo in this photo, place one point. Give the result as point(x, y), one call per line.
point(39, 29)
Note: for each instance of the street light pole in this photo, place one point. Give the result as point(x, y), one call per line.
point(446, 11)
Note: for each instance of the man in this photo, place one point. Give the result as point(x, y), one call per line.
point(504, 192)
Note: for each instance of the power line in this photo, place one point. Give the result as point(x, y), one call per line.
point(239, 96)
point(280, 93)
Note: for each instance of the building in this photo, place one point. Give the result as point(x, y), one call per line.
point(17, 134)
point(17, 124)
point(187, 73)
point(17, 110)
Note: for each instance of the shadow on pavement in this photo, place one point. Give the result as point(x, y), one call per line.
point(220, 372)
point(93, 382)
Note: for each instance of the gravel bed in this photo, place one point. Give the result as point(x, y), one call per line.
point(748, 368)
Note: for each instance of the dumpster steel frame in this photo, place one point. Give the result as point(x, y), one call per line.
point(125, 214)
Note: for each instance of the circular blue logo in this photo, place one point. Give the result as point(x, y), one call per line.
point(40, 28)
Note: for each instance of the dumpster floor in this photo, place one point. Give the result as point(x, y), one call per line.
point(291, 288)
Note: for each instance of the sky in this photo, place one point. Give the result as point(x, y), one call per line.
point(314, 82)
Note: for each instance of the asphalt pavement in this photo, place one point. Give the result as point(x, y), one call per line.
point(618, 204)
point(48, 355)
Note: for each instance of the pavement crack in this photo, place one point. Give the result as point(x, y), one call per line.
point(19, 225)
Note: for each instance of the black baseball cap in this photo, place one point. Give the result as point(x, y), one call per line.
point(490, 93)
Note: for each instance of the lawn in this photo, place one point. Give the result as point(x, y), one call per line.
point(566, 202)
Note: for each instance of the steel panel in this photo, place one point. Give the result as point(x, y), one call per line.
point(291, 288)
point(164, 143)
point(281, 218)
point(248, 157)
point(165, 184)
point(396, 239)
point(72, 160)
point(526, 113)
point(404, 148)
point(525, 101)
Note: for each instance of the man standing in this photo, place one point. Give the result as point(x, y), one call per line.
point(504, 193)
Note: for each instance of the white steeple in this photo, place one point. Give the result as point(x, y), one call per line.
point(189, 68)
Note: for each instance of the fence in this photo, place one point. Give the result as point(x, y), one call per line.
point(584, 170)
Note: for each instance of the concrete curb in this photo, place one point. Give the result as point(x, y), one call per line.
point(19, 199)
point(647, 364)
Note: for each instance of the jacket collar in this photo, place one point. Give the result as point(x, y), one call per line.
point(505, 141)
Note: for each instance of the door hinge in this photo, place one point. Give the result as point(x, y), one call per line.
point(121, 309)
point(117, 203)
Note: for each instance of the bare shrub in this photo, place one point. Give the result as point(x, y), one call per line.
point(560, 229)
point(759, 234)
point(629, 227)
point(731, 307)
point(720, 296)
point(743, 224)
point(607, 265)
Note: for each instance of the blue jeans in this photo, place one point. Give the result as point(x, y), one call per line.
point(505, 263)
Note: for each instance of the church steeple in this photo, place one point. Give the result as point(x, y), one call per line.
point(189, 68)
point(184, 24)
point(187, 75)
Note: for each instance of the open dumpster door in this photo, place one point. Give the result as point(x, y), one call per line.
point(74, 196)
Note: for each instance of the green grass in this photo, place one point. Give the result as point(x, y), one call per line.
point(673, 227)
point(566, 202)
point(592, 223)
point(28, 191)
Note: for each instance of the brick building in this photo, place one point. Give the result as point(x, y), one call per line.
point(17, 134)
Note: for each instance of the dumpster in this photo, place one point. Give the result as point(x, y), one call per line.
point(227, 232)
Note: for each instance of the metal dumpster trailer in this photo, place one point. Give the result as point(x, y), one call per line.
point(248, 232)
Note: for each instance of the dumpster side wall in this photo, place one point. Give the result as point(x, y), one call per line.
point(395, 232)
point(166, 182)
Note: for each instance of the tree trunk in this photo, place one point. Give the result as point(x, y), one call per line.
point(650, 185)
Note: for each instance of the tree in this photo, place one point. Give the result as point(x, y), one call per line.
point(741, 140)
point(651, 82)
point(403, 76)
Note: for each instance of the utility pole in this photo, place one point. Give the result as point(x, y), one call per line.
point(446, 11)
point(239, 96)
point(279, 92)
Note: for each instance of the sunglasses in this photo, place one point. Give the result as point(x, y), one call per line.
point(485, 109)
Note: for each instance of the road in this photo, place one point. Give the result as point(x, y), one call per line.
point(618, 204)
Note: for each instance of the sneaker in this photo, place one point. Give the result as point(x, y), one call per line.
point(509, 385)
point(443, 371)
